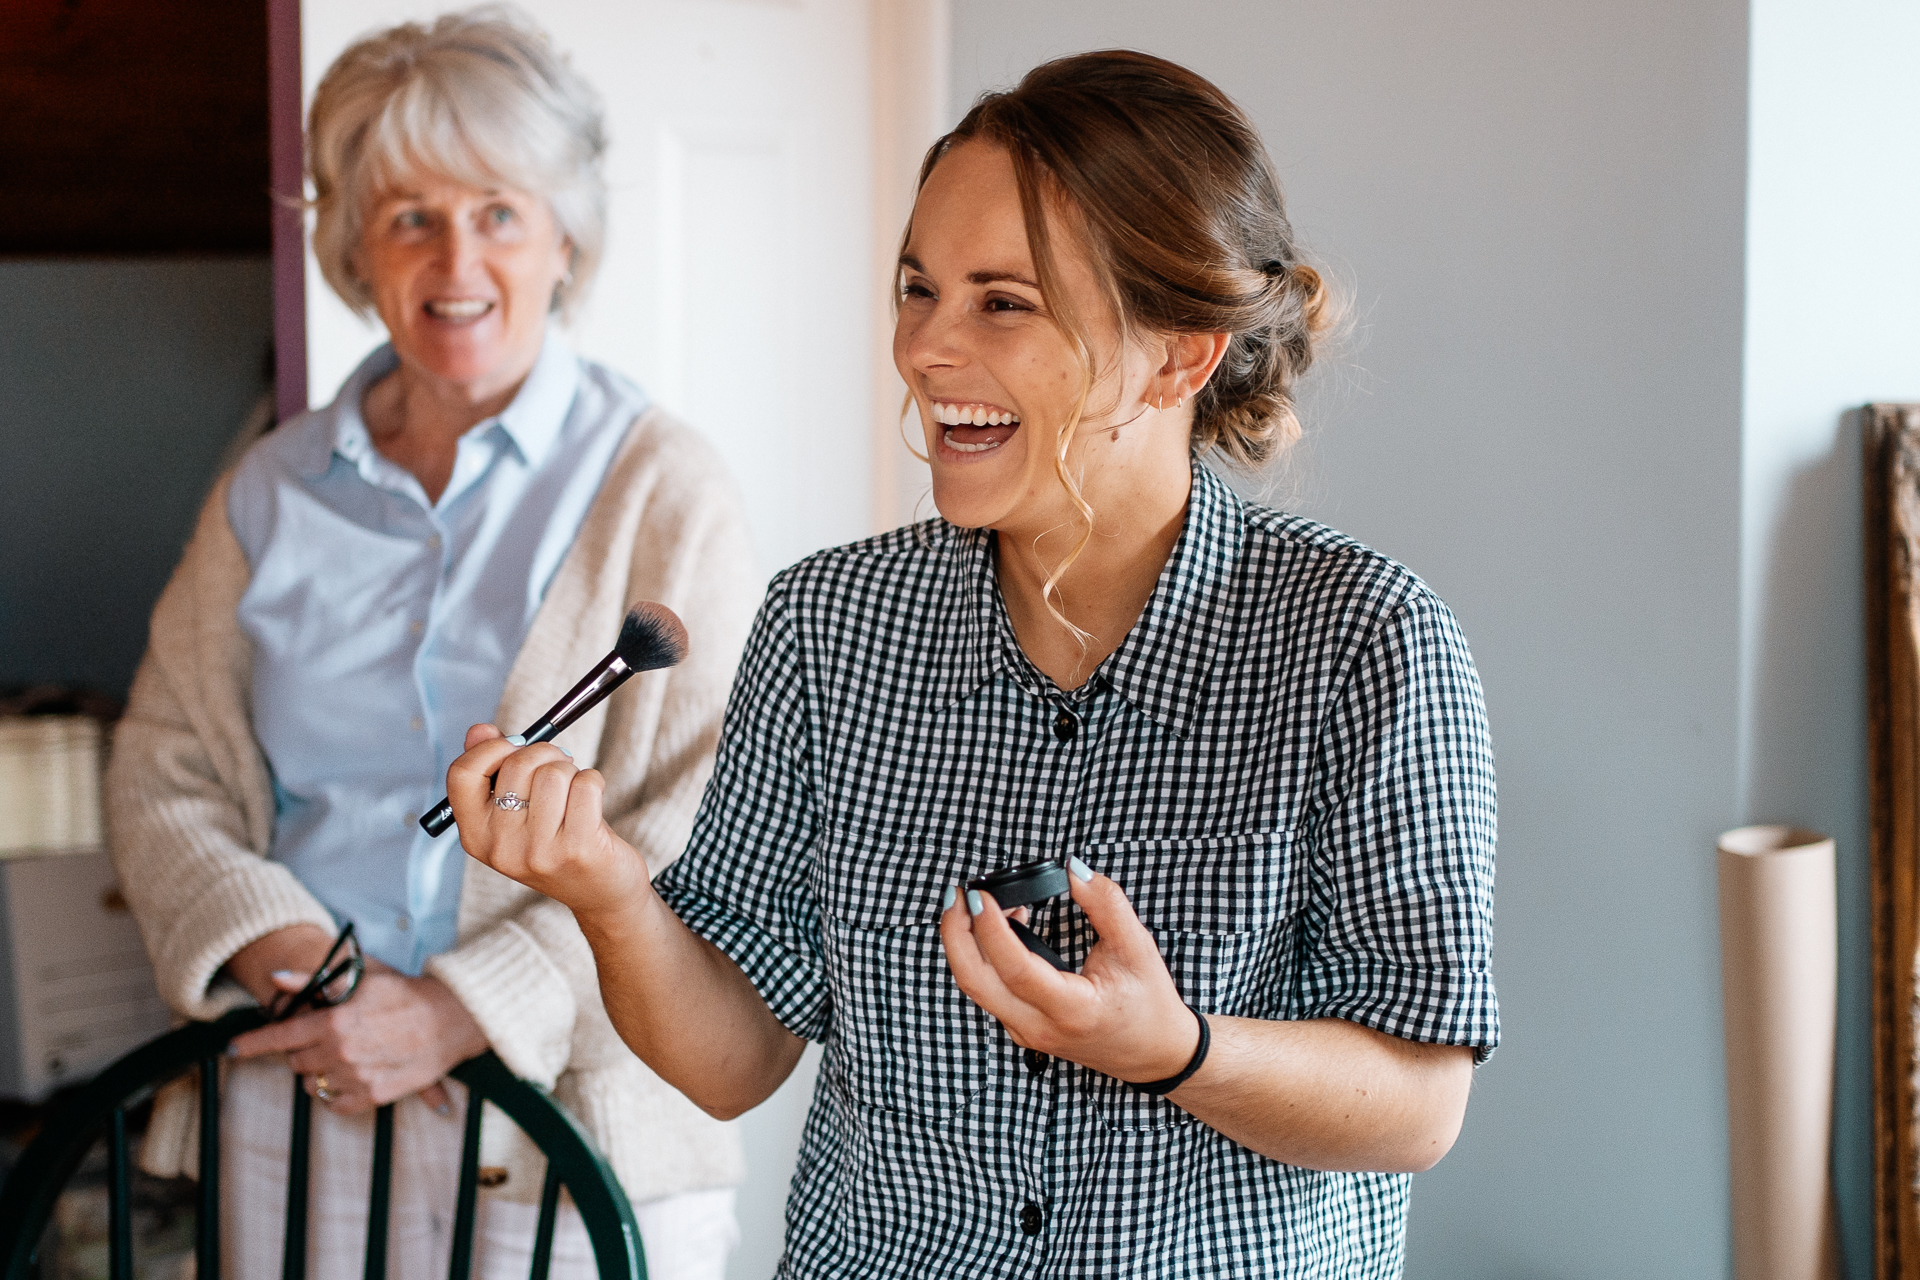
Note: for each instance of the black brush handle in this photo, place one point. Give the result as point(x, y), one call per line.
point(582, 698)
point(440, 817)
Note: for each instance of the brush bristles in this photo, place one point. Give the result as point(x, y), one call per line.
point(651, 637)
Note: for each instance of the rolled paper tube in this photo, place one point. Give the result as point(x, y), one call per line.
point(1779, 970)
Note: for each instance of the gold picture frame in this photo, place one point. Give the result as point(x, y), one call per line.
point(1891, 483)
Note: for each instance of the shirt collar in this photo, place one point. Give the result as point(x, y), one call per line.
point(539, 409)
point(1162, 665)
point(532, 420)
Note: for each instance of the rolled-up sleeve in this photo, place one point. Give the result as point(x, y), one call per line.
point(745, 882)
point(1398, 930)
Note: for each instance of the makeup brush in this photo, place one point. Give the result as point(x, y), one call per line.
point(650, 638)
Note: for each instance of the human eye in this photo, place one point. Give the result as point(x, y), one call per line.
point(915, 290)
point(499, 215)
point(409, 220)
point(1002, 303)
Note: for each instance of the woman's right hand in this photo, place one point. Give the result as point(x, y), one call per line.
point(559, 844)
point(676, 999)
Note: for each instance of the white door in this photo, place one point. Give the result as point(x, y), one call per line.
point(738, 289)
point(738, 282)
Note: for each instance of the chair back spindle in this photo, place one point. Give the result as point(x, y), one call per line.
point(293, 1265)
point(206, 1221)
point(119, 1199)
point(380, 1195)
point(461, 1265)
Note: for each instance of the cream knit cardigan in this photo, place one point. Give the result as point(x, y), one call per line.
point(190, 806)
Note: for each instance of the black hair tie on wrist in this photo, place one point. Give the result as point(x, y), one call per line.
point(1154, 1088)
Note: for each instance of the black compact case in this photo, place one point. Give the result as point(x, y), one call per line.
point(1023, 886)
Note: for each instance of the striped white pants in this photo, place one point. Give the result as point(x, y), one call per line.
point(687, 1236)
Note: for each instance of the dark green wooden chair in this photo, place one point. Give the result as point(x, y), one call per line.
point(27, 1203)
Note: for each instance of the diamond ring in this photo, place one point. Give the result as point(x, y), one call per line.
point(509, 801)
point(320, 1089)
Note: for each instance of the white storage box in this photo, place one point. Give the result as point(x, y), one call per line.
point(79, 991)
point(49, 784)
point(76, 990)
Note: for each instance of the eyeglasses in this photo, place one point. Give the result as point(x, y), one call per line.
point(331, 984)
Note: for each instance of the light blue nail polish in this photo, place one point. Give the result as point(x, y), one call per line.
point(946, 899)
point(974, 902)
point(1080, 869)
point(232, 1050)
point(517, 740)
point(563, 751)
point(281, 975)
point(444, 1110)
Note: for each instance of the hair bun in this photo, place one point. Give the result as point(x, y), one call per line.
point(1207, 250)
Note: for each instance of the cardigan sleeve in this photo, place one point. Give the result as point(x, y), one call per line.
point(528, 979)
point(188, 801)
point(711, 582)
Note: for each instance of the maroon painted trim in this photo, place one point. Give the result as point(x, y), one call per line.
point(289, 222)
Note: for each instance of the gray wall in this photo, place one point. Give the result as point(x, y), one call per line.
point(121, 382)
point(1539, 209)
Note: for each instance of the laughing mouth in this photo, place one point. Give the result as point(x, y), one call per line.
point(459, 309)
point(971, 427)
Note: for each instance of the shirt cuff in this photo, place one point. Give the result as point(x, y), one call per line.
point(520, 998)
point(790, 982)
point(1422, 1004)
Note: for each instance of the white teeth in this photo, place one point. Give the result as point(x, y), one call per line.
point(982, 447)
point(460, 309)
point(963, 415)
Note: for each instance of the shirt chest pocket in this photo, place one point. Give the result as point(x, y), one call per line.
point(1221, 909)
point(910, 1040)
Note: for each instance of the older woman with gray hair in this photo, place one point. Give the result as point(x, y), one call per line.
point(452, 540)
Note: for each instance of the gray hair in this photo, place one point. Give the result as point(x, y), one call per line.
point(480, 97)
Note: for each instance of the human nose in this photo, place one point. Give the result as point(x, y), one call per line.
point(932, 339)
point(459, 248)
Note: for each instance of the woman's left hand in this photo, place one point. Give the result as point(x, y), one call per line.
point(1120, 1015)
point(396, 1036)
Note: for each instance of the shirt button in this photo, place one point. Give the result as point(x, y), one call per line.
point(408, 819)
point(413, 628)
point(433, 543)
point(417, 724)
point(403, 924)
point(1065, 727)
point(1031, 1218)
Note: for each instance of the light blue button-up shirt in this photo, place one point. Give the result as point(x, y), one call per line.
point(384, 625)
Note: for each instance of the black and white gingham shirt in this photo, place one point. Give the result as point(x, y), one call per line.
point(1286, 767)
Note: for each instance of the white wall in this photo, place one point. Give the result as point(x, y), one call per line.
point(1833, 268)
point(1540, 208)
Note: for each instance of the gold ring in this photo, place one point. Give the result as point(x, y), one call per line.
point(320, 1090)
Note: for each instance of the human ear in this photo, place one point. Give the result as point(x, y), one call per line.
point(1190, 361)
